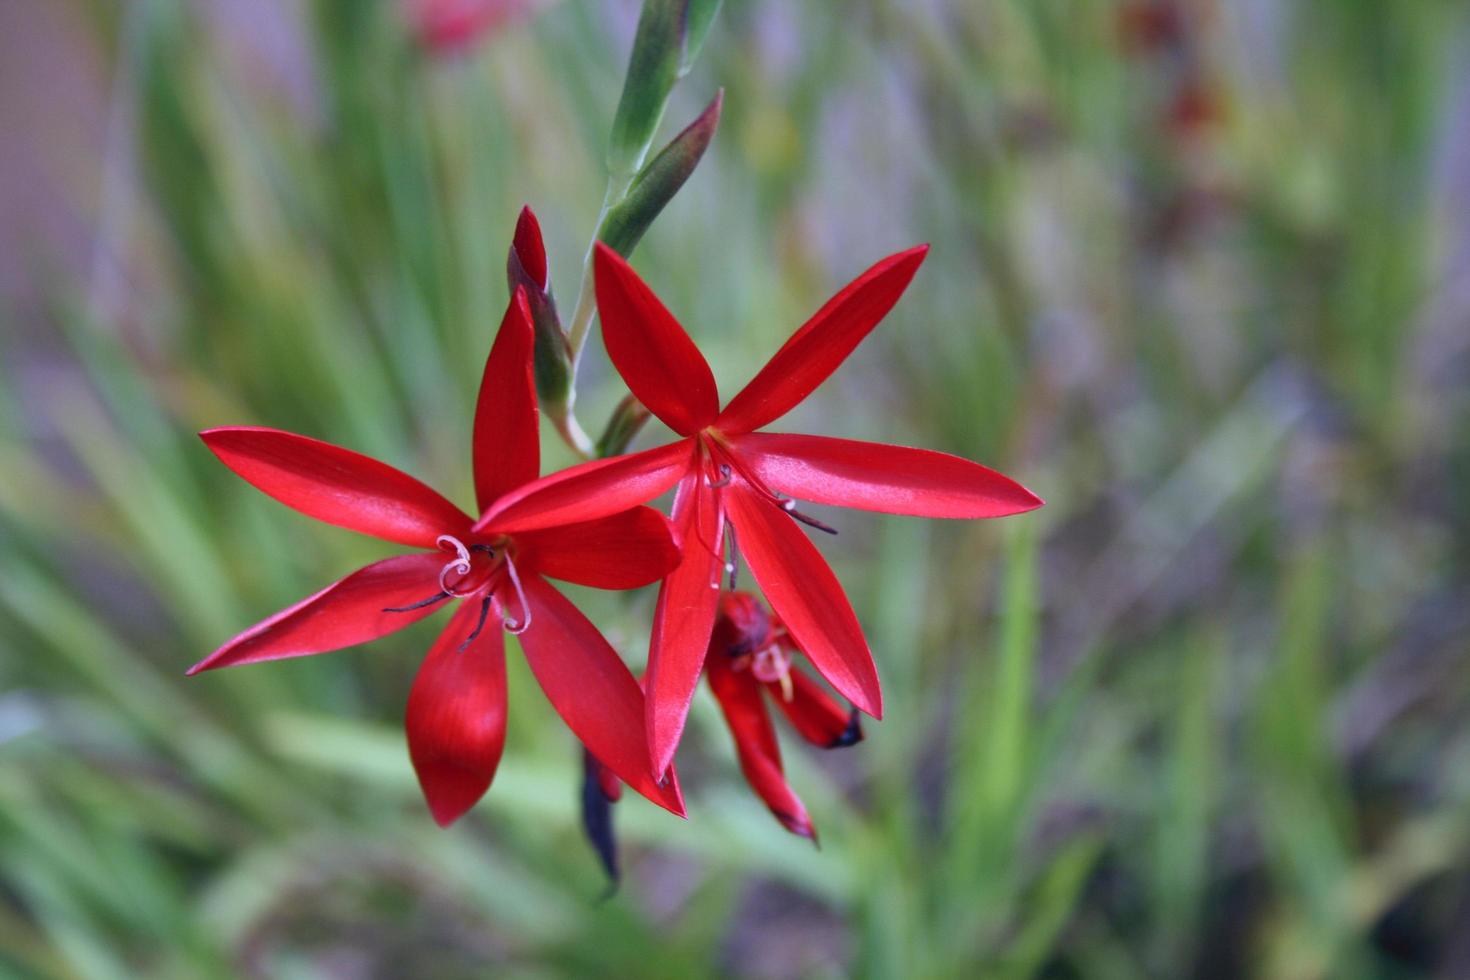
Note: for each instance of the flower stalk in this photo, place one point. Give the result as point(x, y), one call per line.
point(669, 36)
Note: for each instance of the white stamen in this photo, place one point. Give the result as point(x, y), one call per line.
point(459, 566)
point(511, 626)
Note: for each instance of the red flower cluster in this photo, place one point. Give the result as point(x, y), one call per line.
point(587, 525)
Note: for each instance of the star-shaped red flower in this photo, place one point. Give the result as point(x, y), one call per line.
point(728, 472)
point(456, 709)
point(749, 662)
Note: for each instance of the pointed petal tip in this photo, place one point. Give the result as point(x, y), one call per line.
point(211, 436)
point(674, 803)
point(208, 663)
point(1021, 501)
point(799, 824)
point(528, 247)
point(444, 818)
point(673, 795)
point(664, 730)
point(912, 256)
point(449, 791)
point(868, 698)
point(662, 751)
point(711, 113)
point(873, 708)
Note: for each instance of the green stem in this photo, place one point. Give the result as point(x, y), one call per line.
point(567, 425)
point(573, 434)
point(617, 189)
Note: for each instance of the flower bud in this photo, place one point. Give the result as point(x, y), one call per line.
point(669, 36)
point(526, 267)
point(658, 182)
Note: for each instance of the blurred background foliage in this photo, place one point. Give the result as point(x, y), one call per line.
point(1200, 277)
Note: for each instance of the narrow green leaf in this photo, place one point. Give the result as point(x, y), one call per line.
point(701, 18)
point(653, 68)
point(1051, 906)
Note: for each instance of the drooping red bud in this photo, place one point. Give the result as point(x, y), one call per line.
point(814, 713)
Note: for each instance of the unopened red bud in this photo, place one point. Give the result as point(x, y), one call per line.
point(526, 268)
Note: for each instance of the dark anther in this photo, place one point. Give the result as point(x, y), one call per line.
point(484, 549)
point(724, 479)
point(807, 519)
point(851, 735)
point(484, 614)
point(437, 597)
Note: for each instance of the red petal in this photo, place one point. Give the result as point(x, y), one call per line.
point(739, 695)
point(822, 344)
point(684, 618)
point(591, 689)
point(507, 442)
point(806, 596)
point(815, 715)
point(890, 479)
point(651, 351)
point(623, 551)
point(529, 247)
point(456, 715)
point(343, 614)
point(590, 490)
point(337, 485)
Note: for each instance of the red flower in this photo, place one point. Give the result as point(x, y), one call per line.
point(728, 474)
point(456, 709)
point(450, 25)
point(750, 652)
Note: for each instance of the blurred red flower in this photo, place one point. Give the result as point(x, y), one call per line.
point(750, 652)
point(456, 709)
point(452, 25)
point(726, 471)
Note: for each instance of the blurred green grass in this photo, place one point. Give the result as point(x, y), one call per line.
point(1204, 715)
